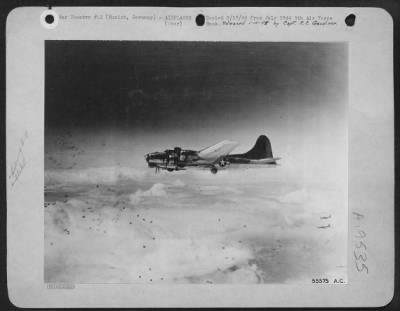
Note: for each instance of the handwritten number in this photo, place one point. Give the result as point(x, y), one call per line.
point(358, 215)
point(362, 244)
point(363, 257)
point(363, 267)
point(360, 256)
point(361, 234)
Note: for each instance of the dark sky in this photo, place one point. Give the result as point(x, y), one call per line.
point(183, 84)
point(144, 96)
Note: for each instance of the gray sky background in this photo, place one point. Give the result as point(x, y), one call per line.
point(130, 98)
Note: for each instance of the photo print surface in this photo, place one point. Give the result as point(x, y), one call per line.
point(158, 162)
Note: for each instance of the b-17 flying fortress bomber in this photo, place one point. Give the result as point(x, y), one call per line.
point(212, 157)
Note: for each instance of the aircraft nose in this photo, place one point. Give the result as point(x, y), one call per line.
point(147, 157)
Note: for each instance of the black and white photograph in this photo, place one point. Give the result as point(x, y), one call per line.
point(195, 162)
point(200, 157)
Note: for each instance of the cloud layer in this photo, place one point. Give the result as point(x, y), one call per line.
point(124, 225)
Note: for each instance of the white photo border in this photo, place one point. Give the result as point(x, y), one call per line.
point(370, 151)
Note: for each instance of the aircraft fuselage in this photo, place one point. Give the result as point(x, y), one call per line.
point(216, 155)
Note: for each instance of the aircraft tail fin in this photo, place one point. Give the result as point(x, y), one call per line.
point(261, 150)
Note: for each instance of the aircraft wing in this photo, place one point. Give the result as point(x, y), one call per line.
point(215, 152)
